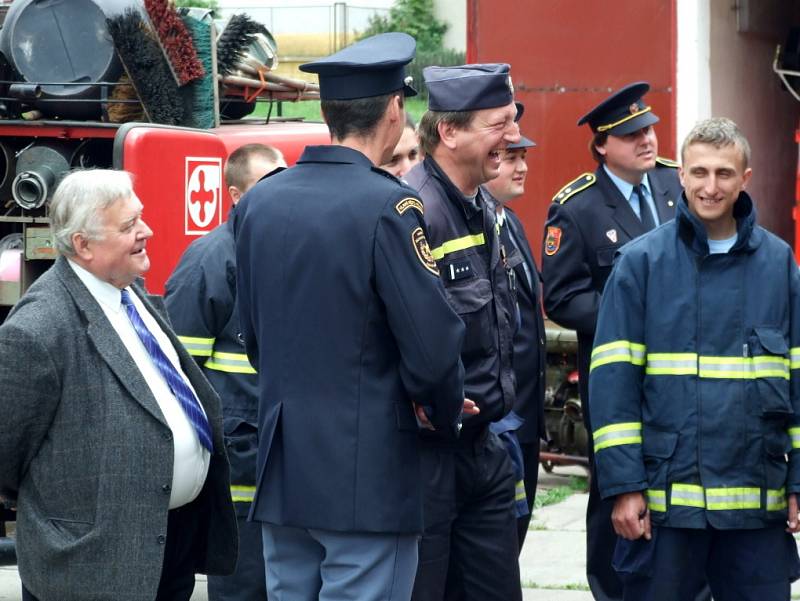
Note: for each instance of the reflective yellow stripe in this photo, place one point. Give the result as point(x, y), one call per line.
point(795, 435)
point(776, 500)
point(452, 246)
point(197, 347)
point(743, 368)
point(619, 351)
point(242, 494)
point(794, 354)
point(671, 364)
point(617, 434)
point(608, 126)
point(733, 498)
point(688, 495)
point(236, 363)
point(519, 493)
point(656, 500)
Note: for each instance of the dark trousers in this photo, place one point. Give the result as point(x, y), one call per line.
point(248, 582)
point(469, 549)
point(180, 555)
point(740, 565)
point(530, 458)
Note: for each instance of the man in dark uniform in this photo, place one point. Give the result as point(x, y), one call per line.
point(345, 318)
point(469, 549)
point(590, 218)
point(201, 301)
point(529, 339)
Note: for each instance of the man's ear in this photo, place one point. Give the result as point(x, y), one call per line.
point(235, 194)
point(81, 245)
point(447, 134)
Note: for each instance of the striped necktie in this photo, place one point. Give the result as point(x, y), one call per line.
point(176, 383)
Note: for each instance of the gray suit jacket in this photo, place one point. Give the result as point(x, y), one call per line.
point(87, 454)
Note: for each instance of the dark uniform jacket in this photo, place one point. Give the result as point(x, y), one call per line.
point(587, 223)
point(464, 242)
point(695, 386)
point(201, 300)
point(346, 320)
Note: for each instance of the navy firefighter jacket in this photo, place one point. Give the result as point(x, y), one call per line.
point(694, 375)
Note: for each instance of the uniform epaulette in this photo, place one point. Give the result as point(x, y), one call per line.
point(581, 182)
point(661, 161)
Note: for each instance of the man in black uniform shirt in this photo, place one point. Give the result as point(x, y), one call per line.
point(469, 548)
point(345, 318)
point(630, 192)
point(529, 339)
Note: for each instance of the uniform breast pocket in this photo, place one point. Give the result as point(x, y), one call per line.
point(769, 356)
point(605, 255)
point(471, 300)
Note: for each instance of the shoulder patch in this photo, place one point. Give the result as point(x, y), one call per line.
point(409, 203)
point(553, 241)
point(662, 162)
point(580, 183)
point(420, 244)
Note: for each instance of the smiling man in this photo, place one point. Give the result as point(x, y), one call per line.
point(469, 548)
point(630, 192)
point(111, 437)
point(696, 401)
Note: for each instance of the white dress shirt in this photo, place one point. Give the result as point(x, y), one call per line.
point(191, 459)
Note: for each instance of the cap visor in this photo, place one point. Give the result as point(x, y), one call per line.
point(408, 91)
point(523, 143)
point(634, 124)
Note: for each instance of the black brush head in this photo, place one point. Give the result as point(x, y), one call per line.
point(147, 67)
point(234, 41)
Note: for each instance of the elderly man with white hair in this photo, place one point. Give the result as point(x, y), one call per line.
point(111, 437)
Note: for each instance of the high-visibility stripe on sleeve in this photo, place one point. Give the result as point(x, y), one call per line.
point(733, 498)
point(744, 368)
point(657, 500)
point(519, 491)
point(794, 433)
point(617, 434)
point(688, 495)
point(451, 246)
point(236, 363)
point(242, 494)
point(619, 351)
point(776, 500)
point(671, 364)
point(197, 347)
point(794, 356)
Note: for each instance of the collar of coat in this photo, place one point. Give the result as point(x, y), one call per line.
point(694, 234)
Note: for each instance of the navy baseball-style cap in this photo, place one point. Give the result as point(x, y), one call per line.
point(621, 113)
point(371, 67)
point(468, 87)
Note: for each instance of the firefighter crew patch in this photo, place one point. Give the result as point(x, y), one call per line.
point(423, 250)
point(553, 240)
point(409, 203)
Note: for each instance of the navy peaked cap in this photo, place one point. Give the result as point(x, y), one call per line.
point(468, 87)
point(621, 113)
point(371, 67)
point(523, 143)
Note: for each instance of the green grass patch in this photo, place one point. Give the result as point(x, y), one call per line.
point(309, 109)
point(555, 495)
point(571, 586)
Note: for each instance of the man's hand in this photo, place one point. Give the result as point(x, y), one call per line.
point(422, 418)
point(631, 518)
point(793, 523)
point(470, 408)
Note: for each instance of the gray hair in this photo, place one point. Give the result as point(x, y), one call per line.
point(78, 200)
point(718, 132)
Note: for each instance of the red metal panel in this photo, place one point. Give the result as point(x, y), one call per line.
point(566, 56)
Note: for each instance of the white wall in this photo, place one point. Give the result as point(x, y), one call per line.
point(454, 13)
point(693, 86)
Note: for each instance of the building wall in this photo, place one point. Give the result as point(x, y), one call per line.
point(454, 13)
point(744, 88)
